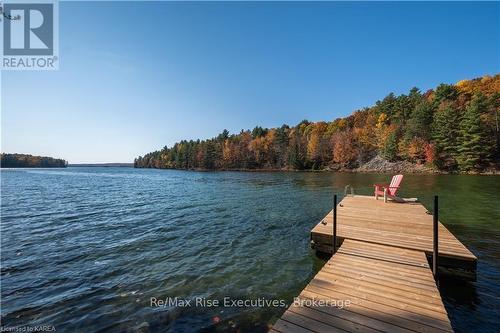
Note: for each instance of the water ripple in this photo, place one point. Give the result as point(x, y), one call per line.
point(84, 249)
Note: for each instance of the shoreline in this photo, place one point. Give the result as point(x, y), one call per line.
point(360, 170)
point(375, 165)
point(371, 171)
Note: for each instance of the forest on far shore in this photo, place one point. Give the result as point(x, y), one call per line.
point(30, 161)
point(453, 128)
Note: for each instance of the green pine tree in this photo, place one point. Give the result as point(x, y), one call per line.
point(445, 134)
point(473, 140)
point(390, 149)
point(420, 121)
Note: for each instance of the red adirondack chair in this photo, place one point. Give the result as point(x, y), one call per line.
point(389, 191)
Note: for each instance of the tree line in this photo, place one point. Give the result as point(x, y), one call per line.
point(454, 127)
point(30, 161)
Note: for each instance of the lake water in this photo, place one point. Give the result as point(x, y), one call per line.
point(85, 249)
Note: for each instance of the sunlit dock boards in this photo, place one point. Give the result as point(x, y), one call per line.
point(403, 225)
point(381, 288)
point(379, 280)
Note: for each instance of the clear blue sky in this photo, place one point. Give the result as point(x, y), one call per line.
point(137, 76)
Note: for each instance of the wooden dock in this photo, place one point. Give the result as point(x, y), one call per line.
point(379, 280)
point(403, 225)
point(380, 289)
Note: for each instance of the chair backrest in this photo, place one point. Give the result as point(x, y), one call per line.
point(395, 182)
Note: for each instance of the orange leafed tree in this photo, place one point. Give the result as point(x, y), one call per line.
point(417, 127)
point(344, 147)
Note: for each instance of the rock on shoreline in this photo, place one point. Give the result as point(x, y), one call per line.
point(379, 164)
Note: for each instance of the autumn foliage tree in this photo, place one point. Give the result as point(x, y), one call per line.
point(344, 148)
point(453, 127)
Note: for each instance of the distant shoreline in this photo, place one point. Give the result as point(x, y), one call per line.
point(376, 165)
point(122, 165)
point(16, 160)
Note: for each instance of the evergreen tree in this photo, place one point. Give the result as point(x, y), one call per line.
point(445, 92)
point(473, 139)
point(494, 104)
point(386, 106)
point(445, 134)
point(209, 155)
point(295, 156)
point(223, 136)
point(420, 121)
point(258, 132)
point(390, 148)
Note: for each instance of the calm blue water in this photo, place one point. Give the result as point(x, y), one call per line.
point(84, 249)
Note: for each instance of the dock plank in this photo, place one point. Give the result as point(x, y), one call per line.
point(403, 225)
point(373, 300)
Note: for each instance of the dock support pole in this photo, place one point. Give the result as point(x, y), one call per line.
point(435, 252)
point(334, 223)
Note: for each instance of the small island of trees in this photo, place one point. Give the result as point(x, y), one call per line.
point(451, 128)
point(30, 161)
